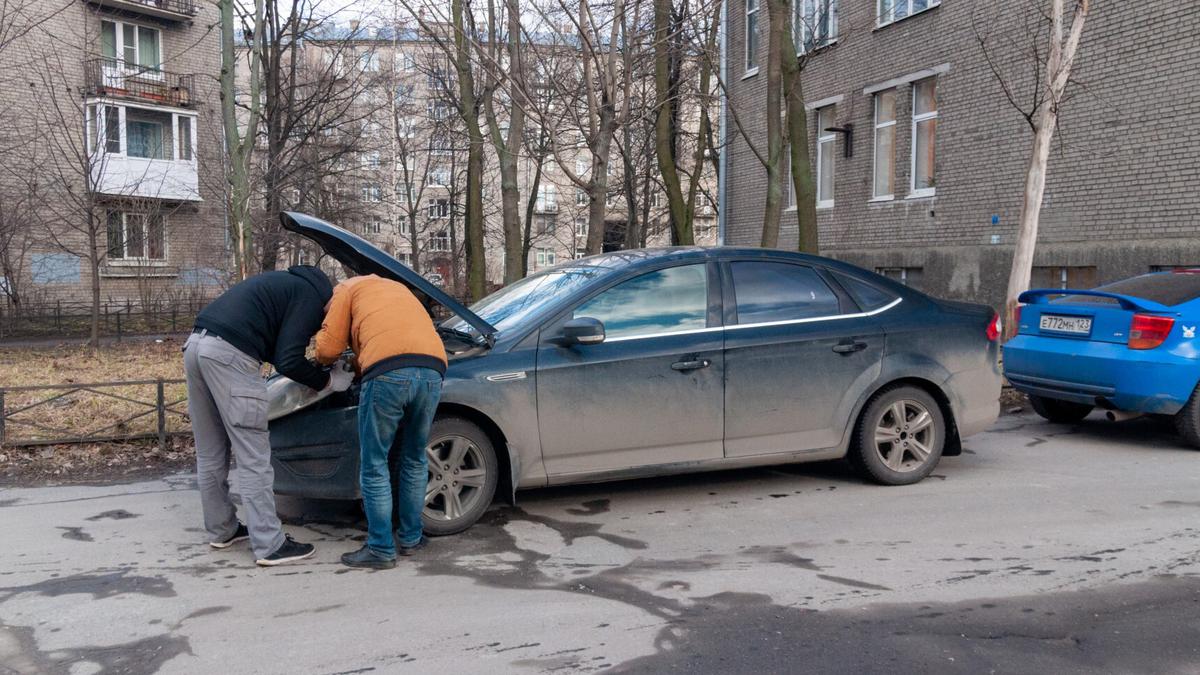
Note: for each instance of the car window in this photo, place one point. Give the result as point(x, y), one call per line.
point(508, 307)
point(669, 300)
point(867, 296)
point(1166, 288)
point(780, 292)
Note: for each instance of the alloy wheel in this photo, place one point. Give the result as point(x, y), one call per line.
point(905, 435)
point(457, 474)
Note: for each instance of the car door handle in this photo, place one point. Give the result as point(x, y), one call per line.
point(849, 347)
point(691, 365)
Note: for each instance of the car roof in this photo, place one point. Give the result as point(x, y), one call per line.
point(645, 256)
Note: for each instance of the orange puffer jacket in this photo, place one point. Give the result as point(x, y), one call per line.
point(385, 325)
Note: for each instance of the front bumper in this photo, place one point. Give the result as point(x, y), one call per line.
point(1109, 375)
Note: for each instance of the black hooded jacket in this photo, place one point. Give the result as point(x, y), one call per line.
point(272, 317)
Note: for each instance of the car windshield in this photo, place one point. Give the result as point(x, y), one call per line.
point(508, 306)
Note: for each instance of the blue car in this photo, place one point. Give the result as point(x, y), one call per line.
point(1129, 348)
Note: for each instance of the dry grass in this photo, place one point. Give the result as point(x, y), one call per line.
point(86, 412)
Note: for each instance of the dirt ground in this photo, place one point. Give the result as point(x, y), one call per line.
point(81, 412)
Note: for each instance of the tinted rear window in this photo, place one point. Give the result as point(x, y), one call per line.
point(867, 296)
point(768, 292)
point(1167, 289)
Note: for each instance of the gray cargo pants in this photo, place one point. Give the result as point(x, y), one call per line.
point(227, 401)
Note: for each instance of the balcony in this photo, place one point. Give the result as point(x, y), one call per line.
point(113, 78)
point(143, 152)
point(545, 207)
point(169, 10)
point(144, 178)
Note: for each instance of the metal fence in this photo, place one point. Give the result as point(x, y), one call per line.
point(68, 320)
point(95, 412)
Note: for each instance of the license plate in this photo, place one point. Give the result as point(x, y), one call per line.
point(1076, 325)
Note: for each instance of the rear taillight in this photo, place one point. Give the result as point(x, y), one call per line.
point(1149, 331)
point(993, 329)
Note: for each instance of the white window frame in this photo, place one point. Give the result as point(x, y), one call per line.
point(547, 198)
point(435, 210)
point(372, 192)
point(439, 176)
point(826, 142)
point(546, 257)
point(119, 48)
point(804, 16)
point(136, 260)
point(885, 10)
point(875, 146)
point(750, 56)
point(913, 192)
point(439, 242)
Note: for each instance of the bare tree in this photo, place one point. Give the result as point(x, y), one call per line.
point(1050, 72)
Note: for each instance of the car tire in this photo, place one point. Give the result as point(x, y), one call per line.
point(1058, 411)
point(1187, 420)
point(891, 451)
point(463, 472)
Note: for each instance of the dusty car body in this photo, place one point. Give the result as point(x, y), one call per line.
point(652, 362)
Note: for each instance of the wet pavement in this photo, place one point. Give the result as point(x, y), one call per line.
point(1043, 548)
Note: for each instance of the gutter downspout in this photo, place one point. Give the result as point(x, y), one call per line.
point(722, 161)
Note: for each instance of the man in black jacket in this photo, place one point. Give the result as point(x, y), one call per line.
point(266, 318)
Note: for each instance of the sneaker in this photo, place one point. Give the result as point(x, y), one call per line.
point(240, 534)
point(290, 551)
point(410, 550)
point(365, 557)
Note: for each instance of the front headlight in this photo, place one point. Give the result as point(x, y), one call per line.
point(286, 396)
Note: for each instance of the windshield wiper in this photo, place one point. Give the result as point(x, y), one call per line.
point(462, 335)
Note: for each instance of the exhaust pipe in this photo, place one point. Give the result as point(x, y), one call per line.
point(1121, 415)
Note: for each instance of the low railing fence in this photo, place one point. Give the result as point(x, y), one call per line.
point(67, 320)
point(53, 414)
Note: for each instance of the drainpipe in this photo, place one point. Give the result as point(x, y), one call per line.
point(722, 160)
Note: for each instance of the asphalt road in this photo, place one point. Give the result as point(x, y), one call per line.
point(1043, 549)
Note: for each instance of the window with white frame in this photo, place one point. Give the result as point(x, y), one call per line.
point(582, 166)
point(924, 134)
point(370, 129)
point(547, 198)
point(373, 226)
point(581, 229)
point(368, 61)
point(438, 209)
point(546, 224)
point(439, 176)
point(404, 257)
point(439, 111)
point(545, 257)
point(439, 145)
point(405, 62)
point(183, 124)
point(132, 46)
point(826, 144)
point(440, 241)
point(370, 160)
point(752, 11)
point(655, 200)
point(893, 10)
point(581, 197)
point(406, 127)
point(372, 192)
point(136, 237)
point(884, 181)
point(814, 23)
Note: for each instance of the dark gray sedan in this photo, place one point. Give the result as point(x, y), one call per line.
point(652, 362)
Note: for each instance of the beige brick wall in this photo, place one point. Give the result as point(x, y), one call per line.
point(43, 85)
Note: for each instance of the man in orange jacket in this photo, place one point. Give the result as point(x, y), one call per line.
point(402, 361)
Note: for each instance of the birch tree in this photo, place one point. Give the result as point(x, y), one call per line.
point(1051, 70)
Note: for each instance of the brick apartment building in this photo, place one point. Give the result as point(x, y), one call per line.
point(927, 188)
point(112, 145)
point(407, 166)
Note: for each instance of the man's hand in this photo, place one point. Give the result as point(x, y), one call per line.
point(340, 376)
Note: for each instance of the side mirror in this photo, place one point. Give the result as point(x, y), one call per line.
point(582, 331)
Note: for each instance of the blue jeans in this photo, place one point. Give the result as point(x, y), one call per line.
point(395, 411)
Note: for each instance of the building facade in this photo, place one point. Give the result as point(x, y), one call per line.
point(112, 154)
point(920, 158)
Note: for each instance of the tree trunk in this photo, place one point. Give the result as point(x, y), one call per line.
point(469, 110)
point(778, 26)
point(803, 186)
point(94, 258)
point(1031, 208)
point(664, 124)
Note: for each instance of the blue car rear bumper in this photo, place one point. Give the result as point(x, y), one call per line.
point(1101, 373)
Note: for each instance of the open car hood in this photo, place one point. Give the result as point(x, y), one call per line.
point(362, 257)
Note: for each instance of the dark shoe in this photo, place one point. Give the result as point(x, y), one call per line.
point(240, 534)
point(410, 550)
point(290, 551)
point(365, 557)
